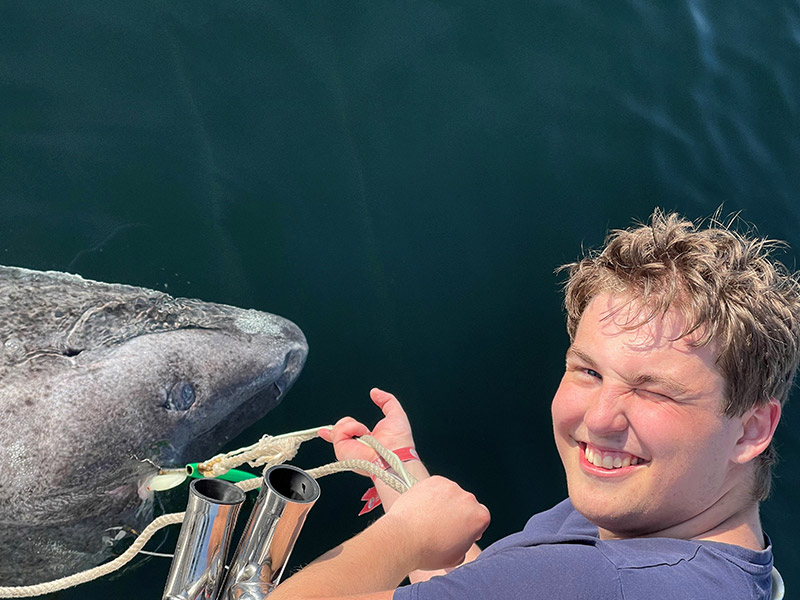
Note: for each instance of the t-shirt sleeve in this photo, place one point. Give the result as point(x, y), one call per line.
point(575, 571)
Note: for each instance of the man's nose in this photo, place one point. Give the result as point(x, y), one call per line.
point(606, 411)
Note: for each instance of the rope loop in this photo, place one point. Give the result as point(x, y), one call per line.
point(266, 452)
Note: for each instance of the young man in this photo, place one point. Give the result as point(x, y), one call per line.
point(684, 346)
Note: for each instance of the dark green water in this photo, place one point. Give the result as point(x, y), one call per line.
point(400, 179)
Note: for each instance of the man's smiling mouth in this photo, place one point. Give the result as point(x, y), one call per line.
point(609, 459)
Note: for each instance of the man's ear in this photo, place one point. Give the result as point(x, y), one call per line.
point(758, 427)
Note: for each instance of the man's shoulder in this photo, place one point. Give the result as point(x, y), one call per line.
point(560, 524)
point(648, 564)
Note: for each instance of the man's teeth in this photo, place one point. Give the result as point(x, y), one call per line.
point(609, 462)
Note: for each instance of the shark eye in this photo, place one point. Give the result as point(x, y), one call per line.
point(180, 397)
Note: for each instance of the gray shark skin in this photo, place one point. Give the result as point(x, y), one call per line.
point(102, 383)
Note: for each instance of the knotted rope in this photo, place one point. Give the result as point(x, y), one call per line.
point(268, 451)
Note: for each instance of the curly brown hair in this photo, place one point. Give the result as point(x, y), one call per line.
point(728, 288)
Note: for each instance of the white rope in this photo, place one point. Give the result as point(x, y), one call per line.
point(267, 451)
point(27, 591)
point(391, 458)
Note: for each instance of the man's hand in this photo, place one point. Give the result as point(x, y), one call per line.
point(439, 521)
point(393, 431)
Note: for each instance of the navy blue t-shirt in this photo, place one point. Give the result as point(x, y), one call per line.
point(559, 555)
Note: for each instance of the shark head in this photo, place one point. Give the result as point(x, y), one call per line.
point(102, 384)
point(176, 395)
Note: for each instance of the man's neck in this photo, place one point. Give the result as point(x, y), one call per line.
point(741, 528)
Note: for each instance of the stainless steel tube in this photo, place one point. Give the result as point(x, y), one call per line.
point(198, 565)
point(287, 494)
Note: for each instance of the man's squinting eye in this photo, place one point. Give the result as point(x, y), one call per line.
point(592, 373)
point(653, 395)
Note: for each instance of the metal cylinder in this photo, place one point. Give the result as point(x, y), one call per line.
point(198, 565)
point(287, 494)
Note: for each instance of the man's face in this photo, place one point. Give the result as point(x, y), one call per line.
point(638, 425)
